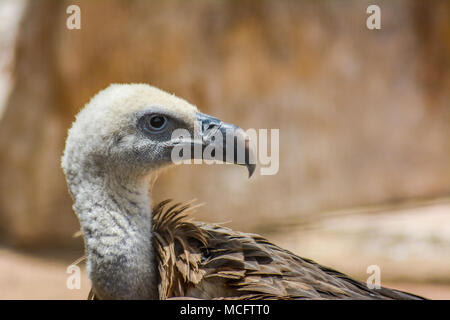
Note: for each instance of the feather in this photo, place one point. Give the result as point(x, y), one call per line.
point(198, 260)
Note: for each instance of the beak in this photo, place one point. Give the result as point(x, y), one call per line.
point(223, 141)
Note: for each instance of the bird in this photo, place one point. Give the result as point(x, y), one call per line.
point(118, 144)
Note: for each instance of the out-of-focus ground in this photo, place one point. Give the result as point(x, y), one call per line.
point(410, 245)
point(38, 276)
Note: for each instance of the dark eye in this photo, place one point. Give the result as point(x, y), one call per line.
point(155, 122)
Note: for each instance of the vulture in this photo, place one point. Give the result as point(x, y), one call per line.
point(118, 144)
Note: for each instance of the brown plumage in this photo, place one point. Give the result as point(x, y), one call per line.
point(207, 261)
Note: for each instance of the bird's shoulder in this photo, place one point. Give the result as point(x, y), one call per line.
point(211, 261)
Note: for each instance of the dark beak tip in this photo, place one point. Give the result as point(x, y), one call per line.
point(251, 169)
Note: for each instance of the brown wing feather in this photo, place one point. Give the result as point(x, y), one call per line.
point(205, 261)
point(177, 243)
point(264, 270)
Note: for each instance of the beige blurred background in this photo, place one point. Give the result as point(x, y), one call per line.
point(364, 119)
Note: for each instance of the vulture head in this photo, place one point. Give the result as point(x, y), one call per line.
point(118, 143)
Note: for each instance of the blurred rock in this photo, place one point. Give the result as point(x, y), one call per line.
point(363, 115)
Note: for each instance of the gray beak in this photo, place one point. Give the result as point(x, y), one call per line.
point(226, 142)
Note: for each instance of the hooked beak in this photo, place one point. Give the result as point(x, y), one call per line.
point(222, 141)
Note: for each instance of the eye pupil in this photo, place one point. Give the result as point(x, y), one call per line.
point(157, 122)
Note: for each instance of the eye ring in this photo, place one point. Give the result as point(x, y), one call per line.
point(155, 122)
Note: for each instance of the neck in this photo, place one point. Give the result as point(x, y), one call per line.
point(116, 220)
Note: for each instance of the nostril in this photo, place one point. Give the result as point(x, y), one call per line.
point(211, 126)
